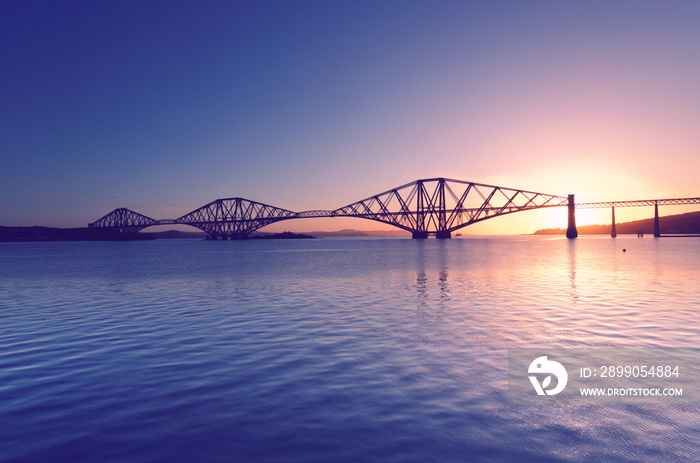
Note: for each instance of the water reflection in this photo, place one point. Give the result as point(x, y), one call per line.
point(444, 289)
point(572, 269)
point(431, 261)
point(442, 263)
point(421, 284)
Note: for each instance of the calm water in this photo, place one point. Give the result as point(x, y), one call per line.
point(331, 349)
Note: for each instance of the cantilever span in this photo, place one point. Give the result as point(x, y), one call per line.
point(440, 206)
point(124, 221)
point(234, 218)
point(433, 206)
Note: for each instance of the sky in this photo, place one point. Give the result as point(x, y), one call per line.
point(164, 106)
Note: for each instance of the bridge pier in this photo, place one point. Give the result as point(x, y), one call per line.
point(571, 231)
point(420, 235)
point(444, 234)
point(613, 232)
point(657, 228)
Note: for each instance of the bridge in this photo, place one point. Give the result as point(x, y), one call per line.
point(427, 207)
point(643, 202)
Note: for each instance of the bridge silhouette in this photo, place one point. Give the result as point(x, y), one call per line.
point(427, 207)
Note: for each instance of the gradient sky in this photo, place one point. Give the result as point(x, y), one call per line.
point(163, 106)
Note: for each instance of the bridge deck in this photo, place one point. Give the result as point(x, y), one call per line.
point(641, 202)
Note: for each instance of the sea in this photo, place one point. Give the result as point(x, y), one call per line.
point(333, 349)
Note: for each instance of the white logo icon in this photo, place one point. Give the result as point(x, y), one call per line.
point(550, 367)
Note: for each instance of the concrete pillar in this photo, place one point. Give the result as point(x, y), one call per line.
point(420, 235)
point(441, 235)
point(613, 232)
point(571, 229)
point(657, 228)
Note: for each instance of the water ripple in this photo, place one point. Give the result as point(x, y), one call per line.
point(330, 350)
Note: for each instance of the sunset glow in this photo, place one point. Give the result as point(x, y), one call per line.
point(321, 104)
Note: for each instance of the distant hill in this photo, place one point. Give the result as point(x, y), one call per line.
point(680, 224)
point(350, 232)
point(66, 234)
point(287, 235)
point(37, 233)
point(178, 235)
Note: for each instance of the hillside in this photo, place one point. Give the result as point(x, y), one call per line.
point(681, 224)
point(66, 234)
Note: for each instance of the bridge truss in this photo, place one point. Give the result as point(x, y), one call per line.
point(234, 218)
point(439, 206)
point(434, 206)
point(124, 221)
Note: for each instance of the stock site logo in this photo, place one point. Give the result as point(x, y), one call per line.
point(549, 367)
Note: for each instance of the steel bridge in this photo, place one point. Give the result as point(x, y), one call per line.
point(427, 207)
point(433, 206)
point(643, 202)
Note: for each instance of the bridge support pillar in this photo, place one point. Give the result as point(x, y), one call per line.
point(571, 231)
point(441, 235)
point(657, 228)
point(420, 235)
point(613, 232)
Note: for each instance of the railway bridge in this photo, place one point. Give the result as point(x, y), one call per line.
point(426, 207)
